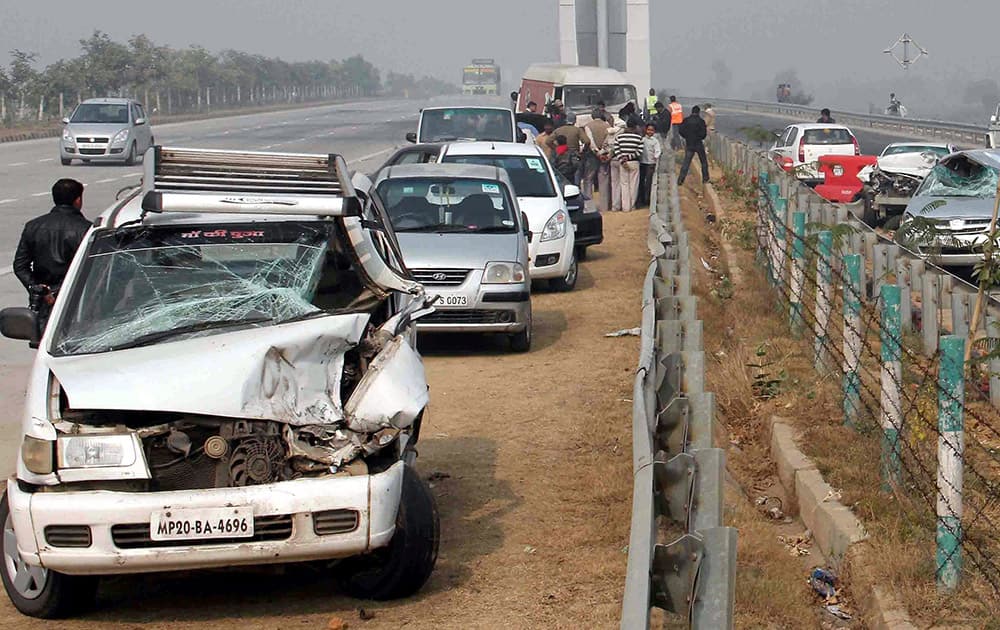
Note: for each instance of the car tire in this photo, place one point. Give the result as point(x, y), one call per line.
point(892, 223)
point(581, 252)
point(567, 282)
point(521, 342)
point(66, 161)
point(46, 594)
point(130, 157)
point(401, 568)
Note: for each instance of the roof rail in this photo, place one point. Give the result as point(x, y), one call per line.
point(211, 180)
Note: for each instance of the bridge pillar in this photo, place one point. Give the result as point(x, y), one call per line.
point(607, 33)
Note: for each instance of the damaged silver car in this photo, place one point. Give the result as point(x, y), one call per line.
point(227, 378)
point(948, 219)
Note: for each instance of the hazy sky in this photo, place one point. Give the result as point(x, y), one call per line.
point(835, 46)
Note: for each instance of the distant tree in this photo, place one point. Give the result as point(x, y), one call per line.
point(106, 64)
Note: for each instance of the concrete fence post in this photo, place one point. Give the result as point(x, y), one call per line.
point(880, 268)
point(891, 379)
point(951, 447)
point(781, 242)
point(930, 295)
point(798, 270)
point(905, 293)
point(824, 301)
point(852, 337)
point(992, 331)
point(961, 313)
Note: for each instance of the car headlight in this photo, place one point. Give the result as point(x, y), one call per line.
point(503, 273)
point(555, 227)
point(37, 455)
point(67, 136)
point(120, 137)
point(96, 451)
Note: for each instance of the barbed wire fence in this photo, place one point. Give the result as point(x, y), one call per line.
point(817, 269)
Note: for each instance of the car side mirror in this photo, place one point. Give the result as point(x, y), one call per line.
point(66, 120)
point(521, 136)
point(525, 226)
point(140, 121)
point(570, 191)
point(412, 137)
point(19, 322)
point(514, 96)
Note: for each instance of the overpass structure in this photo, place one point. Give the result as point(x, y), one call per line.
point(607, 33)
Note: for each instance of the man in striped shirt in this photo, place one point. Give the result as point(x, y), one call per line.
point(628, 151)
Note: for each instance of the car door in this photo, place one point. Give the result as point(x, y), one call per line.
point(146, 129)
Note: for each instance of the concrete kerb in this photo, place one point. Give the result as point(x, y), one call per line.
point(839, 535)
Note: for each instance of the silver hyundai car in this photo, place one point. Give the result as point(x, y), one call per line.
point(465, 239)
point(106, 130)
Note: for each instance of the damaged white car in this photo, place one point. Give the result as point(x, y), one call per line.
point(227, 378)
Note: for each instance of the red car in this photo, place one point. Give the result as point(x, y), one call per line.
point(840, 182)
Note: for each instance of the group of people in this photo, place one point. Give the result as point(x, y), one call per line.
point(617, 156)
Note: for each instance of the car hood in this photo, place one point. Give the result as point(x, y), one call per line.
point(284, 372)
point(539, 209)
point(96, 129)
point(951, 207)
point(456, 251)
point(913, 164)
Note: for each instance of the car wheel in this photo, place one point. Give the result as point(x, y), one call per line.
point(521, 342)
point(130, 157)
point(401, 568)
point(66, 161)
point(568, 281)
point(892, 223)
point(39, 592)
point(581, 252)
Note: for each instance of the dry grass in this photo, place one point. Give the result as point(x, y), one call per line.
point(901, 526)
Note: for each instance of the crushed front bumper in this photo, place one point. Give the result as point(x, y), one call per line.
point(304, 519)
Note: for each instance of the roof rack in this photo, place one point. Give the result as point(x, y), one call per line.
point(210, 180)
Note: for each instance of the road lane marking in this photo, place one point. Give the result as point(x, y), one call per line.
point(48, 160)
point(105, 181)
point(3, 201)
point(41, 194)
point(18, 164)
point(365, 158)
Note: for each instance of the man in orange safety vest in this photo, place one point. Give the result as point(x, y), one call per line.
point(676, 118)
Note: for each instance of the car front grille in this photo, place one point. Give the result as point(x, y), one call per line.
point(68, 535)
point(440, 277)
point(265, 528)
point(334, 522)
point(91, 151)
point(91, 140)
point(468, 317)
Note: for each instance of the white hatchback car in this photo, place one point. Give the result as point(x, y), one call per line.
point(799, 147)
point(552, 249)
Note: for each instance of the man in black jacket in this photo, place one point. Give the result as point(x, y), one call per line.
point(661, 119)
point(694, 131)
point(49, 242)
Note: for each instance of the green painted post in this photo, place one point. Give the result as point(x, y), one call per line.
point(852, 338)
point(762, 233)
point(772, 222)
point(798, 270)
point(824, 299)
point(951, 450)
point(780, 242)
point(892, 374)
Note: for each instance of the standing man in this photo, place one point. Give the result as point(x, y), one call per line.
point(533, 107)
point(709, 116)
point(575, 136)
point(628, 153)
point(650, 103)
point(694, 131)
point(542, 140)
point(597, 135)
point(825, 117)
point(48, 244)
point(662, 121)
point(676, 118)
point(651, 150)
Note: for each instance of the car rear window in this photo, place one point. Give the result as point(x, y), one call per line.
point(828, 136)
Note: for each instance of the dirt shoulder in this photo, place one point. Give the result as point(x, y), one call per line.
point(531, 465)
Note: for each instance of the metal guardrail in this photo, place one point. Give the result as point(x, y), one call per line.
point(678, 476)
point(939, 129)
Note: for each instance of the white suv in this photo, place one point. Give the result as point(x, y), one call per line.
point(552, 248)
point(226, 378)
point(800, 146)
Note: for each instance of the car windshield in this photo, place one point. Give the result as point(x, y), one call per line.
point(100, 113)
point(468, 123)
point(584, 98)
point(142, 285)
point(529, 175)
point(447, 205)
point(916, 148)
point(959, 178)
point(828, 136)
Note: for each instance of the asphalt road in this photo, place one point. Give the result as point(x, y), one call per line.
point(363, 132)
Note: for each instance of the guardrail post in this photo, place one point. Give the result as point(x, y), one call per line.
point(951, 447)
point(798, 269)
point(824, 302)
point(781, 242)
point(891, 379)
point(880, 268)
point(852, 337)
point(714, 602)
point(961, 313)
point(905, 293)
point(992, 331)
point(930, 284)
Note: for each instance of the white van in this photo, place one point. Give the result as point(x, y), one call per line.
point(580, 88)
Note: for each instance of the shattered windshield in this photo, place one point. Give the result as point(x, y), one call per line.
point(915, 148)
point(447, 205)
point(145, 285)
point(960, 178)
